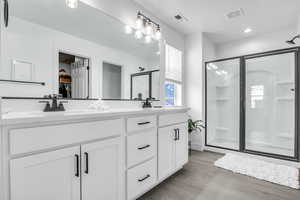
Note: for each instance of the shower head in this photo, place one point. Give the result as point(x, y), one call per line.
point(292, 41)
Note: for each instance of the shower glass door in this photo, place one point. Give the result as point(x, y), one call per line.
point(270, 104)
point(222, 103)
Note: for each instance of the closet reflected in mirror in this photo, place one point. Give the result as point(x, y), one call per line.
point(73, 76)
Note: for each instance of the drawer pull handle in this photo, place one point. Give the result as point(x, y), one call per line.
point(143, 123)
point(77, 165)
point(144, 147)
point(146, 177)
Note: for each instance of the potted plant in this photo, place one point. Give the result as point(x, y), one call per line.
point(194, 127)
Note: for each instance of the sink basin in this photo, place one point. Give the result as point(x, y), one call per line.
point(12, 115)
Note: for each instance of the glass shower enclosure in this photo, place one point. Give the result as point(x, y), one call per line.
point(251, 103)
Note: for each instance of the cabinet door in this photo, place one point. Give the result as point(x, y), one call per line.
point(102, 170)
point(181, 146)
point(166, 151)
point(48, 176)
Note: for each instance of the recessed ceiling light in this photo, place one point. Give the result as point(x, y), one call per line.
point(248, 30)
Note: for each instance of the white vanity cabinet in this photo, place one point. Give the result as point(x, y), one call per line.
point(101, 170)
point(58, 174)
point(118, 157)
point(41, 167)
point(141, 155)
point(172, 145)
point(49, 176)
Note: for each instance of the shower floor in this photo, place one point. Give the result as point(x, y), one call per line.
point(230, 144)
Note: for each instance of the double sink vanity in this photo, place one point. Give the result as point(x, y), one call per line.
point(115, 154)
point(69, 149)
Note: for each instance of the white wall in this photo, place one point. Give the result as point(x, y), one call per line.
point(198, 49)
point(256, 44)
point(39, 45)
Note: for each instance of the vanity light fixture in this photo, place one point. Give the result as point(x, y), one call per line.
point(158, 34)
point(139, 22)
point(148, 28)
point(72, 3)
point(144, 27)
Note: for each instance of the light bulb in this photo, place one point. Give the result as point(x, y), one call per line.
point(149, 29)
point(139, 22)
point(72, 3)
point(158, 34)
point(138, 34)
point(128, 29)
point(148, 38)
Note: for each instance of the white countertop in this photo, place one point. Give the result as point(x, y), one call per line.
point(13, 118)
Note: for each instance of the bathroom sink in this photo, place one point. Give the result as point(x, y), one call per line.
point(12, 115)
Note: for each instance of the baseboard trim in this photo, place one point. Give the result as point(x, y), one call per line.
point(197, 147)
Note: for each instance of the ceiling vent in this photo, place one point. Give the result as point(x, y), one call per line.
point(235, 14)
point(180, 18)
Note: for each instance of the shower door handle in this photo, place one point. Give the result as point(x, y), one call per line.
point(6, 13)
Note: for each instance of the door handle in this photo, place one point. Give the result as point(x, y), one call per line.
point(175, 134)
point(86, 155)
point(178, 134)
point(6, 13)
point(77, 165)
point(146, 177)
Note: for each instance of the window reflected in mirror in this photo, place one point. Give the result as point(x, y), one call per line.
point(145, 85)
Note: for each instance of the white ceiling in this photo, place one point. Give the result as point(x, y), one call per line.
point(84, 22)
point(210, 16)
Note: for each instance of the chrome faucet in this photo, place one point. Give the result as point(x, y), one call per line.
point(54, 107)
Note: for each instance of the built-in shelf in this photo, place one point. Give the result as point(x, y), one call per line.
point(284, 98)
point(65, 82)
point(222, 129)
point(286, 82)
point(222, 99)
point(222, 86)
point(286, 135)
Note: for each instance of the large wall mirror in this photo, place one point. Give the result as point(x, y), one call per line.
point(82, 52)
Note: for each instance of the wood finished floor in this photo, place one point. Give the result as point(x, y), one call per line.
point(201, 180)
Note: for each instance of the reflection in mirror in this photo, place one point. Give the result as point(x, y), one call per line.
point(112, 81)
point(145, 85)
point(73, 76)
point(39, 43)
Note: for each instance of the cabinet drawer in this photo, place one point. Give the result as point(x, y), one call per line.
point(141, 178)
point(141, 123)
point(141, 147)
point(169, 119)
point(38, 138)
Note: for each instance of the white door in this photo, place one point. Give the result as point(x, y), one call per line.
point(166, 151)
point(181, 145)
point(102, 170)
point(47, 176)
